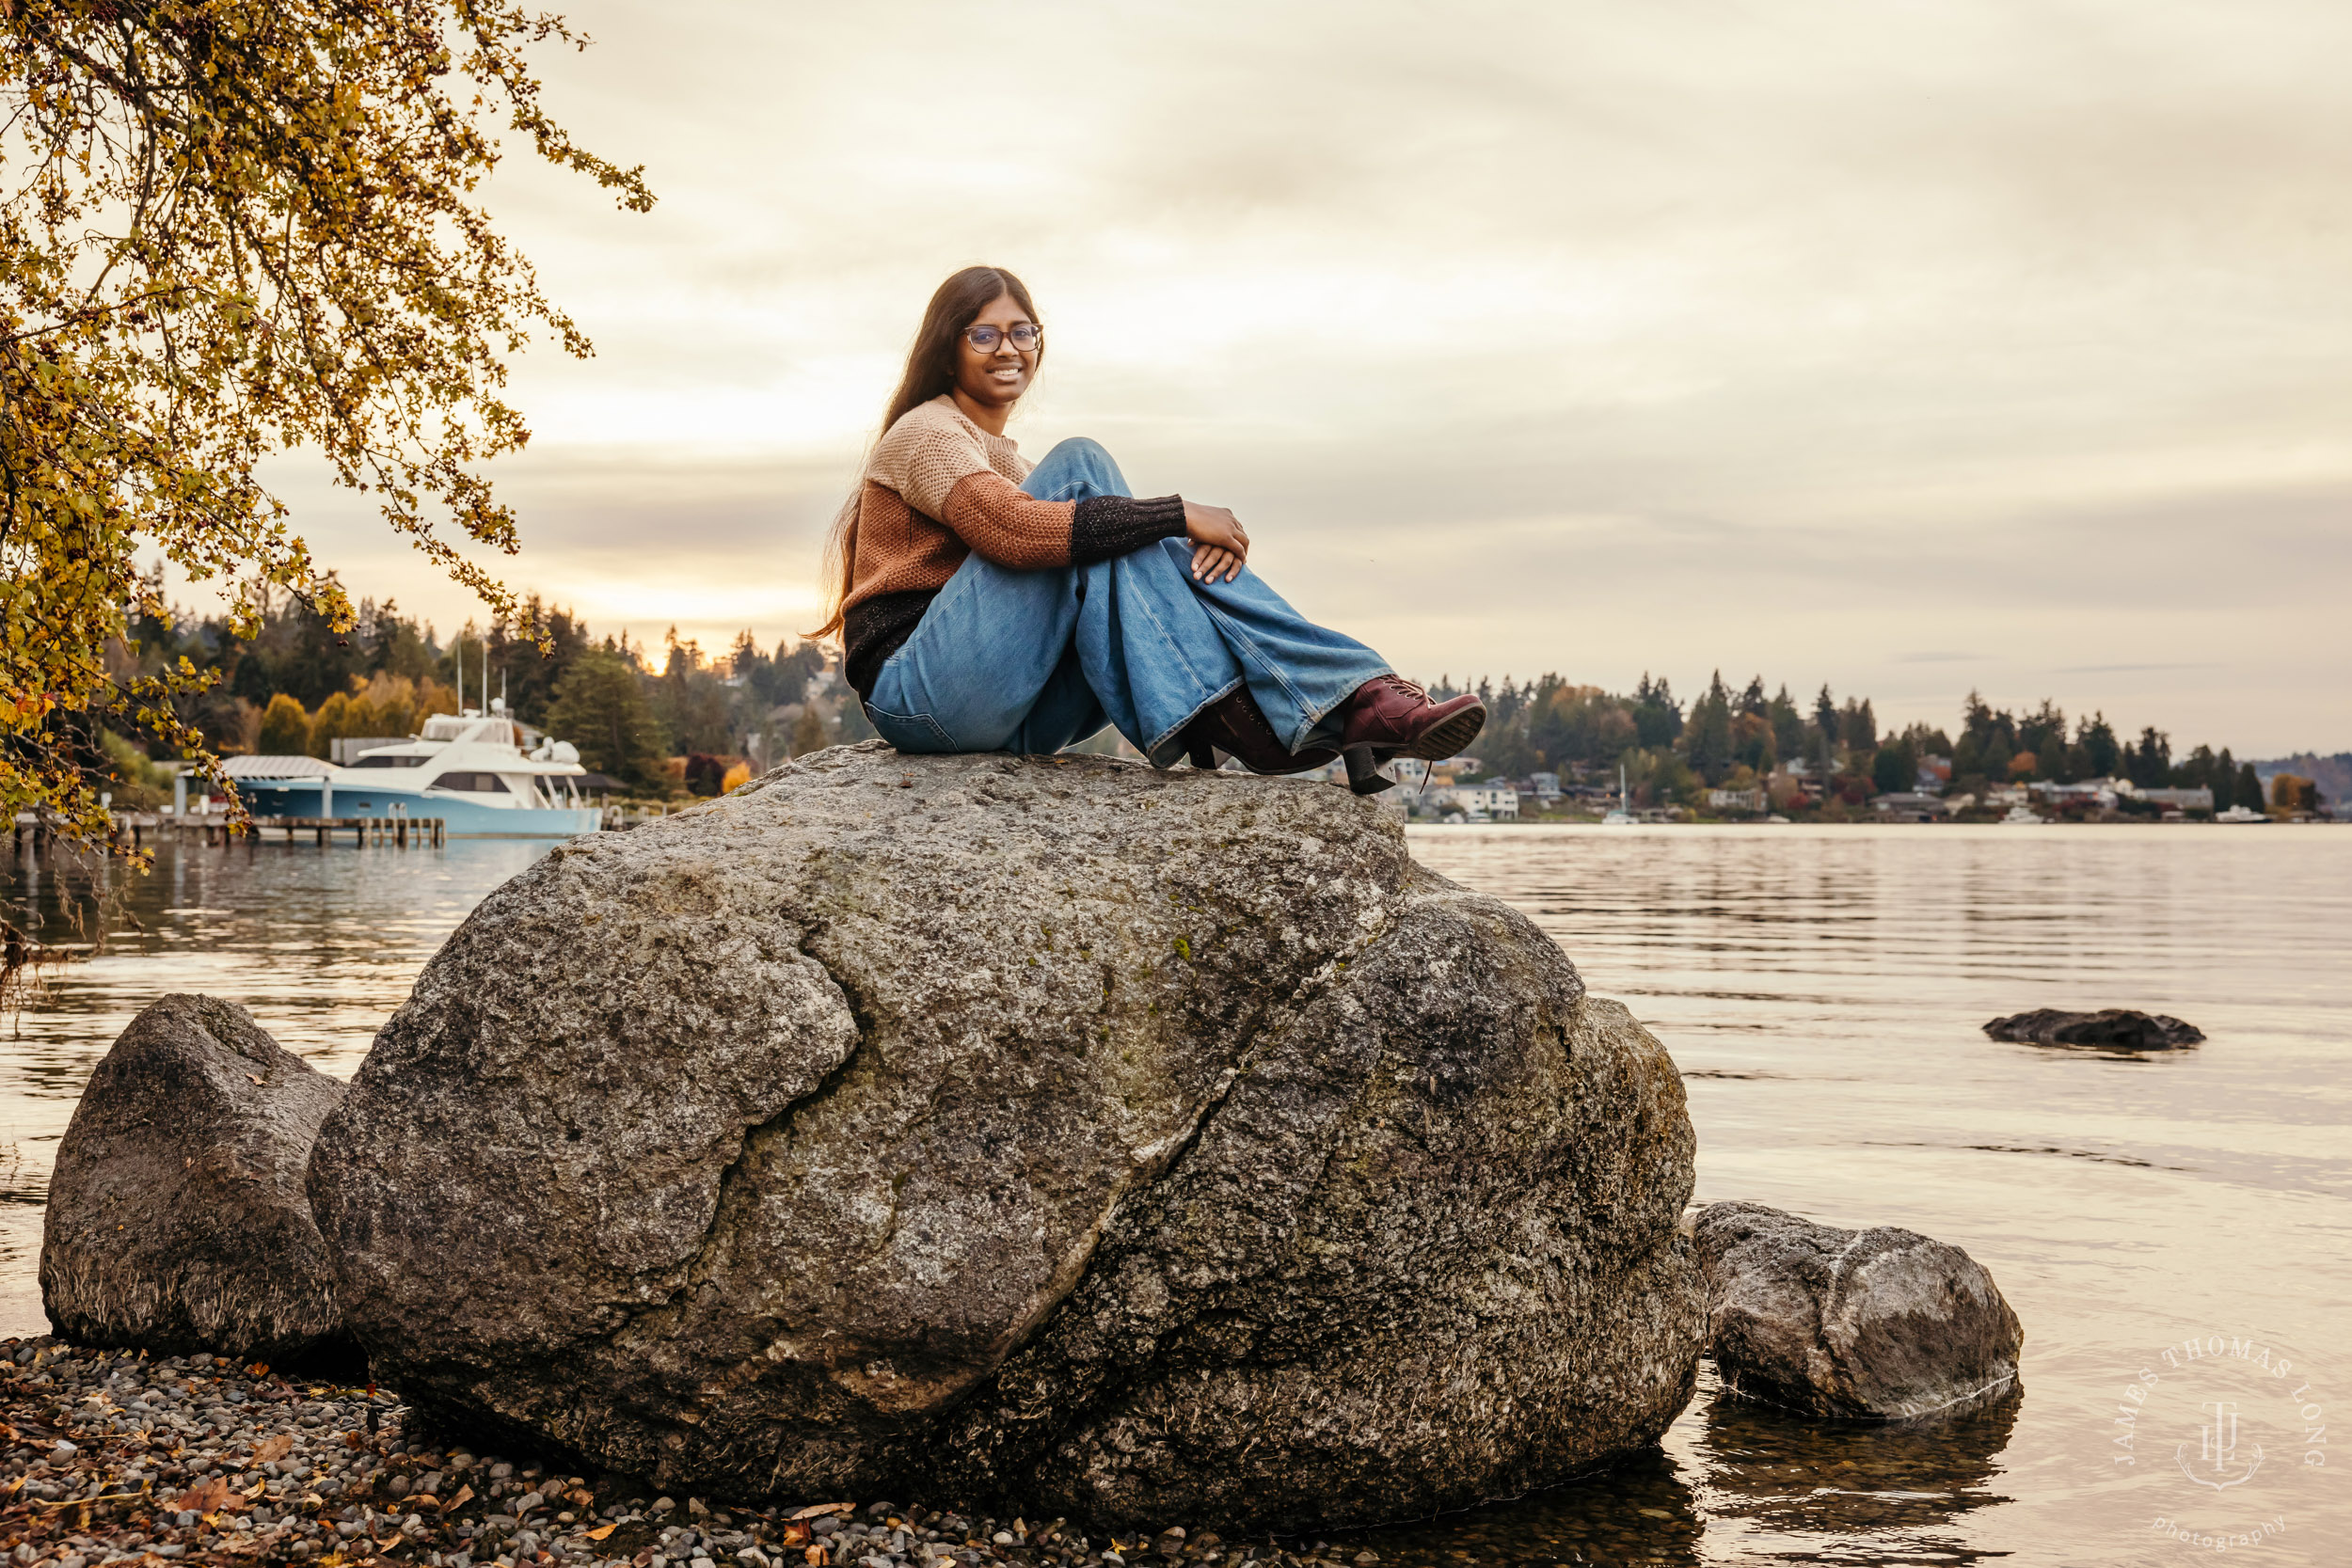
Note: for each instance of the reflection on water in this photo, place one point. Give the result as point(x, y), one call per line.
point(1642, 1509)
point(1784, 1477)
point(1822, 991)
point(1744, 1481)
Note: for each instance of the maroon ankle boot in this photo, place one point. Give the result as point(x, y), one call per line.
point(1235, 725)
point(1394, 717)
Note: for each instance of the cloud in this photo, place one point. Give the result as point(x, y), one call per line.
point(1586, 337)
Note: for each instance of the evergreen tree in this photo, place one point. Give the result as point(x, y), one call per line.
point(2097, 739)
point(2249, 792)
point(1656, 717)
point(523, 670)
point(1857, 726)
point(2148, 765)
point(1788, 725)
point(1711, 733)
point(601, 707)
point(1895, 768)
point(694, 701)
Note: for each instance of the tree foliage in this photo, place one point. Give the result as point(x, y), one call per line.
point(228, 228)
point(601, 708)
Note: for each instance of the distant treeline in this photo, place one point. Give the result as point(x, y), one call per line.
point(679, 719)
point(1735, 738)
point(297, 686)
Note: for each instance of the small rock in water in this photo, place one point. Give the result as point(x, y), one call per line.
point(1870, 1325)
point(2117, 1029)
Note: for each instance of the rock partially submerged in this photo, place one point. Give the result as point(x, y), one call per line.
point(2117, 1029)
point(1864, 1324)
point(1140, 1145)
point(177, 1218)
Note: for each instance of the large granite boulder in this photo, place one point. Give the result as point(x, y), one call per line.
point(1877, 1324)
point(177, 1218)
point(1127, 1145)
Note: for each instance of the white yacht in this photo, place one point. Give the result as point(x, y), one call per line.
point(2020, 818)
point(2241, 814)
point(467, 769)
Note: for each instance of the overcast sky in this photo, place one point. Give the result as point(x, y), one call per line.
point(1903, 346)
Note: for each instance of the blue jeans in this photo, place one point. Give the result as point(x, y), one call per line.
point(1032, 661)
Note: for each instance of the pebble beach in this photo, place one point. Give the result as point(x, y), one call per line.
point(116, 1456)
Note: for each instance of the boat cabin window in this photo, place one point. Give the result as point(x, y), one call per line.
point(381, 761)
point(450, 726)
point(479, 783)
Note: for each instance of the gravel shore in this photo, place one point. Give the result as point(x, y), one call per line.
point(114, 1456)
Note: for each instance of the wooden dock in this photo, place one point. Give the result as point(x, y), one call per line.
point(399, 832)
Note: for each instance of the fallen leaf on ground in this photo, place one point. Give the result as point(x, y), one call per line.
point(256, 1080)
point(464, 1493)
point(255, 1490)
point(600, 1534)
point(817, 1510)
point(204, 1498)
point(276, 1447)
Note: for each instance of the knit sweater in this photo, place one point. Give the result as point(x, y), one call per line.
point(938, 489)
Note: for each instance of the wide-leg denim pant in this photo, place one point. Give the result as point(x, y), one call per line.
point(1018, 662)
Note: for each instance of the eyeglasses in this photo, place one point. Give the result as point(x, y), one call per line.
point(1025, 338)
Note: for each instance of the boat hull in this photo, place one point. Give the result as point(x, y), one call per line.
point(461, 819)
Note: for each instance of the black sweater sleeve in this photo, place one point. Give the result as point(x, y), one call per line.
point(1107, 527)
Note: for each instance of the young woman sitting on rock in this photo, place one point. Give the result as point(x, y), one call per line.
point(984, 604)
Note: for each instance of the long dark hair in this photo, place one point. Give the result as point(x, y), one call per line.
point(931, 371)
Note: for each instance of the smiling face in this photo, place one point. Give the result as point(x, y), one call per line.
point(995, 380)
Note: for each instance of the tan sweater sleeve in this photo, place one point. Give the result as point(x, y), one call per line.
point(1012, 528)
point(1007, 525)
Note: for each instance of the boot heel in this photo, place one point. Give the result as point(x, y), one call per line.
point(1363, 773)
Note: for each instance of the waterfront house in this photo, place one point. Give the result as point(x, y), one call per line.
point(2098, 793)
point(1903, 805)
point(1495, 800)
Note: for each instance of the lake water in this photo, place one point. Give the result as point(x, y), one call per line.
point(1822, 991)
